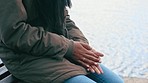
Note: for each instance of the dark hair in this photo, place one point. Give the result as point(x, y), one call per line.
point(51, 12)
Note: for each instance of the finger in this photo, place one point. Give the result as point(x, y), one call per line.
point(100, 61)
point(86, 46)
point(100, 69)
point(92, 58)
point(88, 61)
point(83, 64)
point(90, 52)
point(97, 53)
point(96, 69)
point(91, 69)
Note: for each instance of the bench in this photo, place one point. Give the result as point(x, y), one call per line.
point(5, 75)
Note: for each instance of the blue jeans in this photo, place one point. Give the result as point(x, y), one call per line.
point(107, 77)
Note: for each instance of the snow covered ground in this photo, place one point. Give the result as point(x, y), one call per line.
point(119, 29)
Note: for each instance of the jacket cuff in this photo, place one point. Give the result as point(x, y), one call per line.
point(69, 53)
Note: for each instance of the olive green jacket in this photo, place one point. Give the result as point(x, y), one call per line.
point(31, 53)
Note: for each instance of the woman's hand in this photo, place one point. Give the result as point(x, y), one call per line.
point(87, 57)
point(83, 53)
point(95, 68)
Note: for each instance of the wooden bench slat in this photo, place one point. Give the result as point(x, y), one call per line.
point(8, 79)
point(3, 69)
point(1, 64)
point(5, 75)
point(1, 61)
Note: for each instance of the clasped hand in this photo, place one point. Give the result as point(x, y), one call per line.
point(87, 57)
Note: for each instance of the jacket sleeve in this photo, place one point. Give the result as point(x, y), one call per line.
point(73, 31)
point(19, 36)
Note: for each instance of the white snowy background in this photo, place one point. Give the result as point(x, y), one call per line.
point(119, 29)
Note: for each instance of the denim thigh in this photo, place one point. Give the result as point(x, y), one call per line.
point(107, 77)
point(80, 79)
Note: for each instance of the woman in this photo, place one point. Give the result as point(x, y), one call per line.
point(40, 44)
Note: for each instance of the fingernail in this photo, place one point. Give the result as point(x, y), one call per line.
point(99, 73)
point(102, 72)
point(96, 63)
point(93, 71)
point(87, 65)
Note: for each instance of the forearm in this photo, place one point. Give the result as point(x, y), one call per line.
point(19, 36)
point(74, 32)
